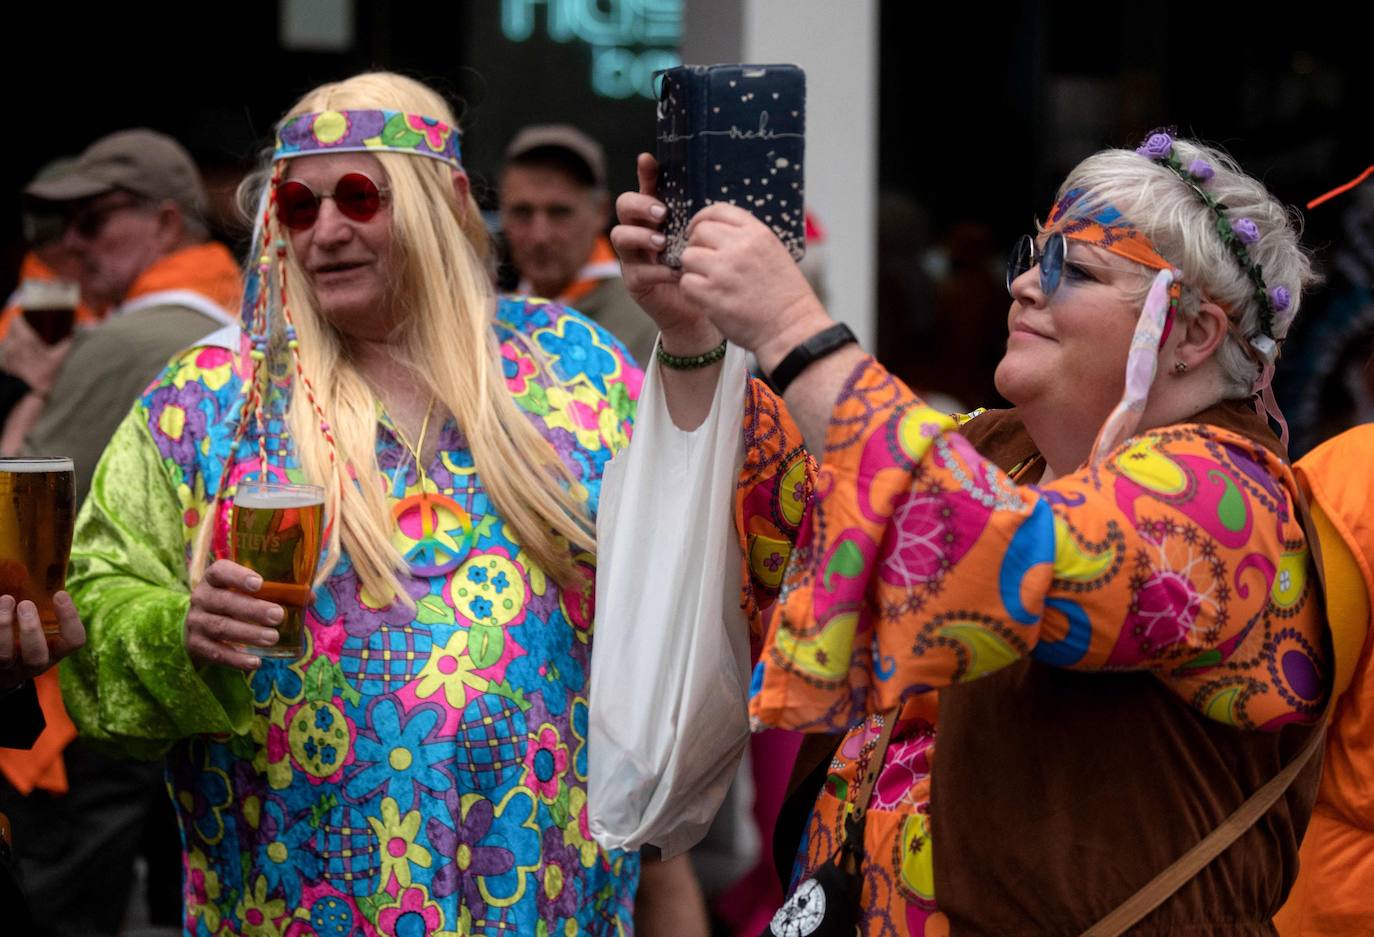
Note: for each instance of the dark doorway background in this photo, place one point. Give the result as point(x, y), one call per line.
point(985, 107)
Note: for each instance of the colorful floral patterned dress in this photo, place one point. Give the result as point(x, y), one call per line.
point(415, 772)
point(919, 564)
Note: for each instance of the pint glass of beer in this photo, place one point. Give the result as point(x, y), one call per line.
point(50, 307)
point(36, 508)
point(276, 532)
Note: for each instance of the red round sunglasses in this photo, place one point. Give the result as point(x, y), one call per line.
point(355, 194)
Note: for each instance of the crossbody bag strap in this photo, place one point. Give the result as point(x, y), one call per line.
point(852, 822)
point(875, 761)
point(1163, 885)
point(1212, 845)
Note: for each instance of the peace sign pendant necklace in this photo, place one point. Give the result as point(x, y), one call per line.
point(433, 532)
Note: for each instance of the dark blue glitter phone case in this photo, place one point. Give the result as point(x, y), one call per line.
point(734, 134)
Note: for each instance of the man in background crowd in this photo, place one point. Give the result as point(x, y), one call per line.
point(47, 261)
point(133, 204)
point(554, 212)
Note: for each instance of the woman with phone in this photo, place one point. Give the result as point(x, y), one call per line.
point(1089, 623)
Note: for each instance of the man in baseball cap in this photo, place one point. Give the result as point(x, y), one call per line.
point(555, 211)
point(132, 203)
point(132, 198)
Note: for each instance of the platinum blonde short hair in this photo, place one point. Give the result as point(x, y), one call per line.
point(1168, 211)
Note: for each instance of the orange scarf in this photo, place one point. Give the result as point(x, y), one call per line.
point(208, 269)
point(600, 266)
point(41, 766)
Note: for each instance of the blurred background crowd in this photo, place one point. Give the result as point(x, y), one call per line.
point(936, 136)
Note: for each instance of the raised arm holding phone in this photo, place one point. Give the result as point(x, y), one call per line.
point(1099, 603)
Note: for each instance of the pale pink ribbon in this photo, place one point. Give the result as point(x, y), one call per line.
point(1141, 364)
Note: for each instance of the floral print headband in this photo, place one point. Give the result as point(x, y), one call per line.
point(368, 131)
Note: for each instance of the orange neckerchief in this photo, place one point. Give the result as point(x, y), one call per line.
point(208, 269)
point(1102, 225)
point(596, 270)
point(31, 268)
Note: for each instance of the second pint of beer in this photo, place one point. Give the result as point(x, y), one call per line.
point(49, 307)
point(276, 532)
point(36, 508)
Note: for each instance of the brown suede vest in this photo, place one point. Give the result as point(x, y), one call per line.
point(1056, 794)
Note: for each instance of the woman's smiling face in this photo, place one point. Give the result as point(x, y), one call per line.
point(1066, 353)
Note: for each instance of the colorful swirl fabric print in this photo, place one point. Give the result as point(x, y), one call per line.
point(919, 564)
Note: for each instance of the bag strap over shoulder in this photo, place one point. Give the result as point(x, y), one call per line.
point(875, 761)
point(1212, 845)
point(1163, 885)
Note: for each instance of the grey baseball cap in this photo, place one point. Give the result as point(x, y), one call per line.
point(561, 137)
point(141, 161)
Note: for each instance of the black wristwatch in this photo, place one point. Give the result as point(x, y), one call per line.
point(813, 349)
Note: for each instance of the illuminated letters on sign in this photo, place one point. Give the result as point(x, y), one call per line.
point(629, 39)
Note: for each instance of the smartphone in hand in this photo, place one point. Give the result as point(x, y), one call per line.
point(733, 134)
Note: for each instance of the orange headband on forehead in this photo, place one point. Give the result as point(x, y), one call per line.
point(1102, 225)
point(1105, 227)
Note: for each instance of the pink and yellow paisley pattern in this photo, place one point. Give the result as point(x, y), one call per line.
point(919, 564)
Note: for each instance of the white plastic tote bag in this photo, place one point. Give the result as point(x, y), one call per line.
point(670, 651)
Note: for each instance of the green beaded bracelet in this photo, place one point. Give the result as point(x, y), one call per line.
point(691, 362)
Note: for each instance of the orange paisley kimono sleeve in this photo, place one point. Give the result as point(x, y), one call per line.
point(775, 486)
point(920, 564)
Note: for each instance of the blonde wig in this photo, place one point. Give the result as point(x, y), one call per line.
point(444, 336)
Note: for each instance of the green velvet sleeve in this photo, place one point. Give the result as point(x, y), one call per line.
point(133, 687)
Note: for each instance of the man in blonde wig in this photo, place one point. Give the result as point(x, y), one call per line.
point(421, 768)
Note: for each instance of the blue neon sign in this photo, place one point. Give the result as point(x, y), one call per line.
point(629, 39)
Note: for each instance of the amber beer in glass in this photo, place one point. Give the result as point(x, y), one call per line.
point(276, 532)
point(36, 510)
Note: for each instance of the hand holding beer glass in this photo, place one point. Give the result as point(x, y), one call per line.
point(36, 512)
point(49, 307)
point(33, 651)
point(38, 623)
point(276, 532)
point(252, 605)
point(38, 341)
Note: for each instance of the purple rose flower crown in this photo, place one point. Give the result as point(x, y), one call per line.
point(1235, 234)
